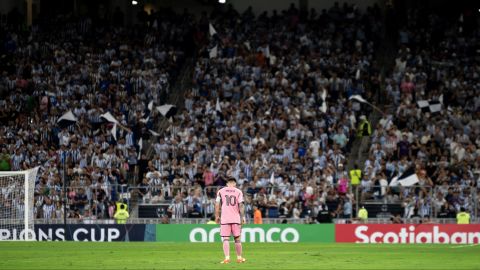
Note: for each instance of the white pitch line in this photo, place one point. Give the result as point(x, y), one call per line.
point(463, 246)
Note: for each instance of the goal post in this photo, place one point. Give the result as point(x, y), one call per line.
point(17, 205)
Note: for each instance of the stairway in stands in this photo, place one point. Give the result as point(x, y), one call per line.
point(176, 97)
point(385, 59)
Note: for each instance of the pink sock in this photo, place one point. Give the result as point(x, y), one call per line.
point(226, 248)
point(238, 248)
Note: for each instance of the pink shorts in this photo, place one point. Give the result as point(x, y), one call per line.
point(230, 229)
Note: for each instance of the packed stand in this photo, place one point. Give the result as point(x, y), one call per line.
point(91, 69)
point(256, 112)
point(434, 127)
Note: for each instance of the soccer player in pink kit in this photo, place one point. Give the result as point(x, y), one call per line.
point(230, 201)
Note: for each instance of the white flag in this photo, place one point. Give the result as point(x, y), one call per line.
point(109, 117)
point(145, 120)
point(68, 116)
point(323, 108)
point(164, 109)
point(208, 108)
point(435, 108)
point(154, 133)
point(423, 103)
point(272, 178)
point(358, 98)
point(409, 181)
point(213, 53)
point(304, 39)
point(267, 51)
point(357, 74)
point(211, 30)
point(150, 105)
point(394, 182)
point(247, 45)
point(140, 146)
point(114, 131)
point(217, 106)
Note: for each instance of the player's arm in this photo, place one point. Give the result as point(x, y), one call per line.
point(217, 208)
point(241, 207)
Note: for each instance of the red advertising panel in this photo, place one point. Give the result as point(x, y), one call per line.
point(408, 233)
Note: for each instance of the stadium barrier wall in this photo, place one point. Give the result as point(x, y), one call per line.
point(408, 233)
point(85, 232)
point(270, 233)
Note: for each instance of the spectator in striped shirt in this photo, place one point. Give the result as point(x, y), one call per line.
point(48, 209)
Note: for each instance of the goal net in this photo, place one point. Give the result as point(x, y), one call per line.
point(16, 205)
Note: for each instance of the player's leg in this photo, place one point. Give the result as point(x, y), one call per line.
point(225, 232)
point(237, 232)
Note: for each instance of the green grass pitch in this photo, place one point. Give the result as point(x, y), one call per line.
point(136, 255)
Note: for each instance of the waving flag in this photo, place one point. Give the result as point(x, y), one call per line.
point(67, 119)
point(167, 110)
point(323, 108)
point(211, 30)
point(407, 179)
point(109, 117)
point(213, 53)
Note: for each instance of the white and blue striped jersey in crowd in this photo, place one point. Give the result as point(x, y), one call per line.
point(189, 104)
point(48, 211)
point(178, 209)
point(11, 83)
point(85, 139)
point(163, 151)
point(101, 163)
point(424, 209)
point(74, 155)
point(155, 184)
point(158, 165)
point(62, 155)
point(210, 207)
point(44, 134)
point(83, 161)
point(191, 171)
point(247, 149)
point(248, 170)
point(17, 161)
point(137, 83)
point(129, 139)
point(173, 130)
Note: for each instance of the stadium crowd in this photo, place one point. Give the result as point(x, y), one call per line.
point(72, 64)
point(269, 106)
point(437, 65)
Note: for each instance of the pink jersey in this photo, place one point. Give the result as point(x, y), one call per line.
point(230, 197)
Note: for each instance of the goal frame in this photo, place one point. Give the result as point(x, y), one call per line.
point(27, 201)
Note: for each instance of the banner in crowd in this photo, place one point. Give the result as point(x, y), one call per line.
point(274, 233)
point(84, 232)
point(408, 233)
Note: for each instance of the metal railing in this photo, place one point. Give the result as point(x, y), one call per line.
point(265, 221)
point(413, 201)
